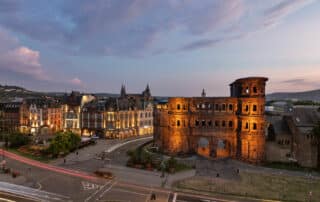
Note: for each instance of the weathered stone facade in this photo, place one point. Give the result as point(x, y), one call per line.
point(215, 126)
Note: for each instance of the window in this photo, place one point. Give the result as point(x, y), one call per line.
point(203, 106)
point(198, 106)
point(254, 108)
point(230, 124)
point(216, 123)
point(178, 106)
point(247, 108)
point(178, 123)
point(247, 125)
point(247, 90)
point(230, 107)
point(223, 107)
point(184, 107)
point(203, 123)
point(217, 107)
point(223, 123)
point(210, 123)
point(197, 123)
point(255, 89)
point(254, 126)
point(209, 106)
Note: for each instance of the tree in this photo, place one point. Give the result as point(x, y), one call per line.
point(15, 140)
point(316, 133)
point(64, 142)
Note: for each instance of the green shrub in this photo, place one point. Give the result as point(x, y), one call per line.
point(63, 143)
point(15, 140)
point(171, 163)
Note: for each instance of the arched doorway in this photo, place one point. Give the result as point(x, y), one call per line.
point(203, 147)
point(223, 148)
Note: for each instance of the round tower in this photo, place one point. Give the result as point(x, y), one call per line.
point(175, 135)
point(251, 131)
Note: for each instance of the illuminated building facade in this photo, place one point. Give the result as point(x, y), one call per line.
point(71, 110)
point(215, 126)
point(121, 117)
point(40, 116)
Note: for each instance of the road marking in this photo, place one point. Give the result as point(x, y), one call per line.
point(89, 186)
point(92, 195)
point(105, 191)
point(174, 197)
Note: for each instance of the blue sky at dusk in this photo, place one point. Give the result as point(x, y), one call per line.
point(177, 46)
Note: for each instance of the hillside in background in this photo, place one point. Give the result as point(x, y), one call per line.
point(14, 93)
point(11, 93)
point(313, 95)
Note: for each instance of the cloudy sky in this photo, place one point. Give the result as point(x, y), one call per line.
point(177, 46)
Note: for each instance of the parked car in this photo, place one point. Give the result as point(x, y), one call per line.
point(104, 174)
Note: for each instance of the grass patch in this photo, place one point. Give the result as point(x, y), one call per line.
point(264, 186)
point(43, 159)
point(289, 166)
point(182, 167)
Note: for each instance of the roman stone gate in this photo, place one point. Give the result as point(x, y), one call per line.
point(219, 148)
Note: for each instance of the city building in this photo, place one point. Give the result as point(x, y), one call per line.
point(215, 127)
point(40, 116)
point(71, 109)
point(10, 116)
point(119, 117)
point(304, 143)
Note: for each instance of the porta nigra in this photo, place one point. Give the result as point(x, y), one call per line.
point(215, 127)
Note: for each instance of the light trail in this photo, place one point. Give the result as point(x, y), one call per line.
point(38, 164)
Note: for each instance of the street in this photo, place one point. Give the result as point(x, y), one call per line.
point(74, 181)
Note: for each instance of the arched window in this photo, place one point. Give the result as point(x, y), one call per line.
point(254, 108)
point(230, 107)
point(230, 124)
point(255, 89)
point(223, 107)
point(178, 106)
point(247, 108)
point(216, 123)
point(197, 123)
point(178, 123)
point(246, 125)
point(247, 90)
point(254, 126)
point(203, 123)
point(216, 107)
point(223, 123)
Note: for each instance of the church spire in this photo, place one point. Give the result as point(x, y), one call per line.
point(147, 92)
point(123, 91)
point(203, 94)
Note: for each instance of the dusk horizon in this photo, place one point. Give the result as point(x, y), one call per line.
point(178, 47)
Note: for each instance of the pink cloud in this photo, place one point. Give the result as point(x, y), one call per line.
point(20, 59)
point(76, 81)
point(25, 61)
